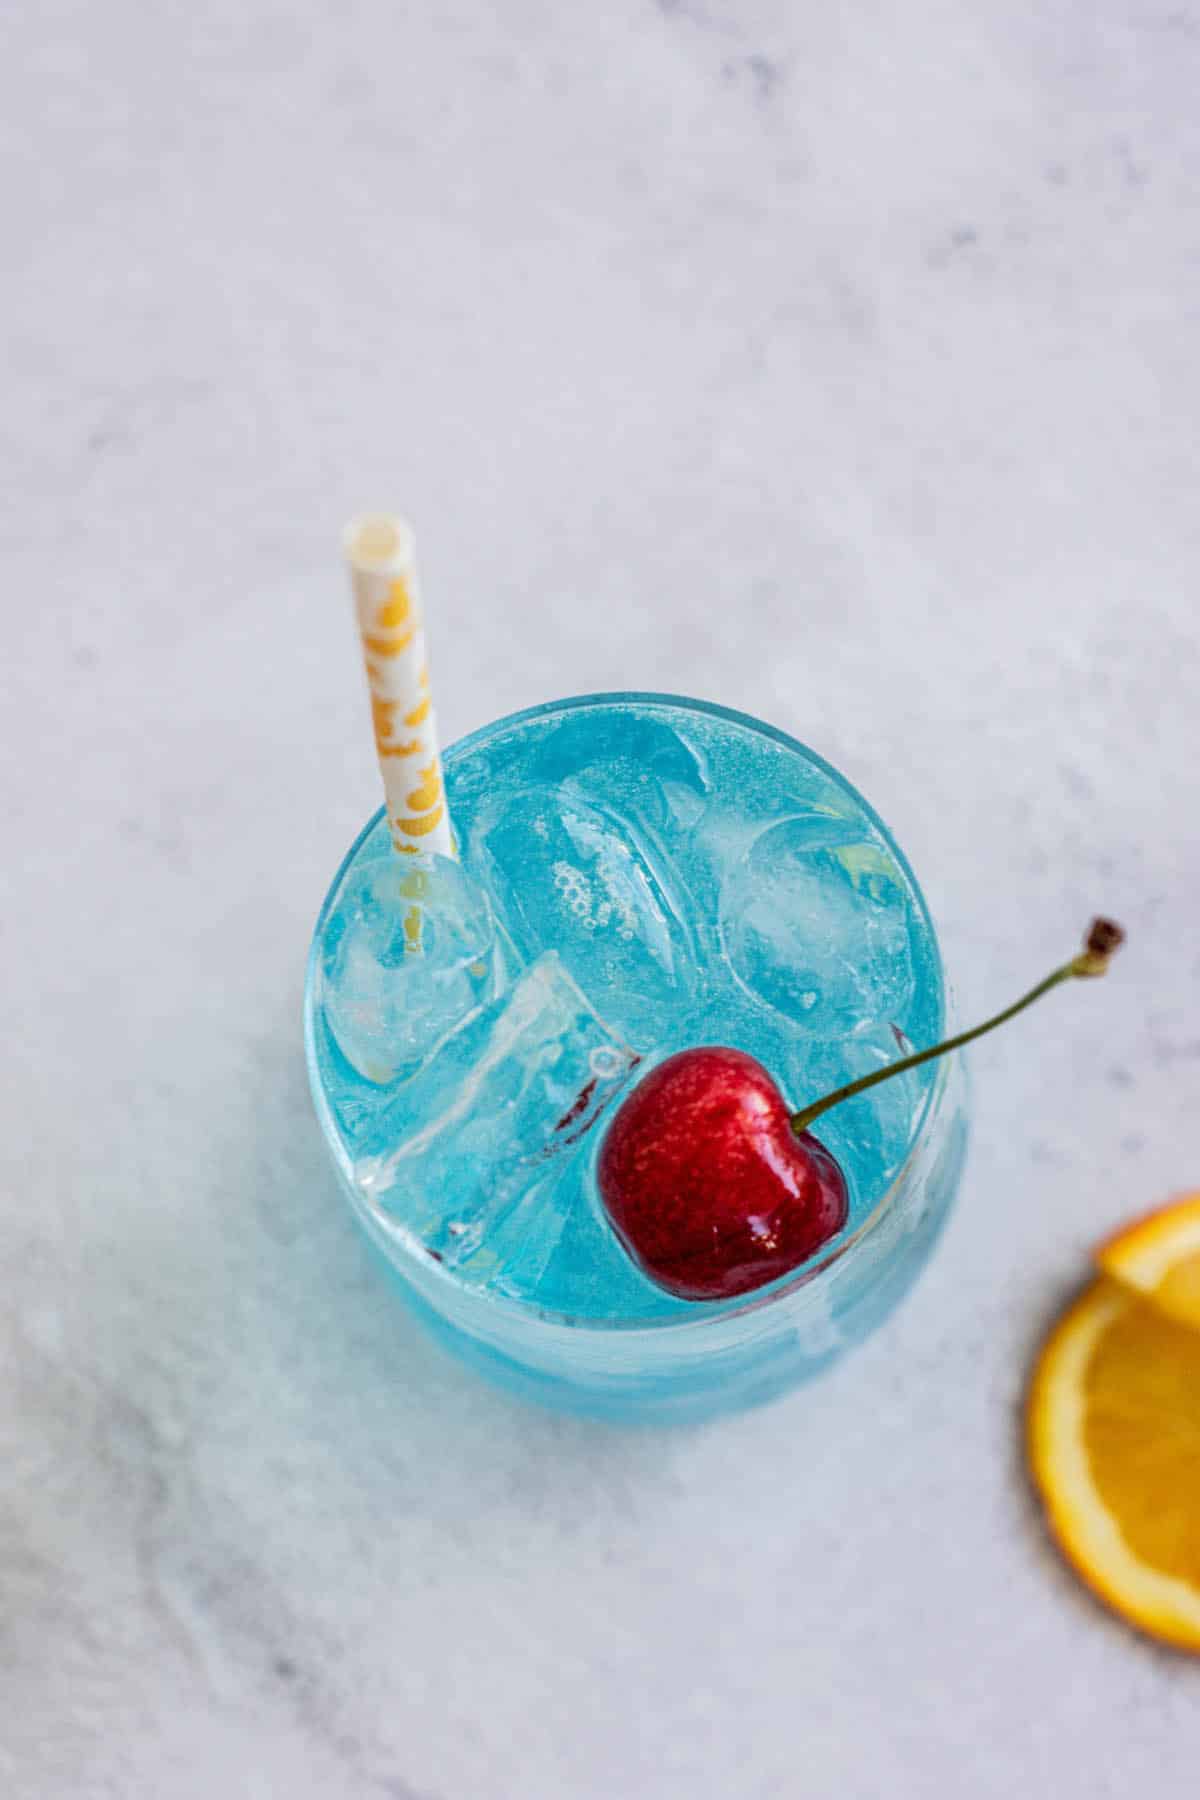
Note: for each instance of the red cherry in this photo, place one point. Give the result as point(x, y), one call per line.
point(715, 1188)
point(706, 1183)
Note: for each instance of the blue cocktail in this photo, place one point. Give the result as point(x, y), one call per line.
point(637, 875)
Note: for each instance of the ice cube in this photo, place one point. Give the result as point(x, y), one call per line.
point(518, 1087)
point(410, 951)
point(817, 922)
point(642, 766)
point(577, 874)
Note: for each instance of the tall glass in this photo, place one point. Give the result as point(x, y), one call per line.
point(639, 873)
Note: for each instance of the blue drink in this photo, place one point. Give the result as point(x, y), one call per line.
point(638, 874)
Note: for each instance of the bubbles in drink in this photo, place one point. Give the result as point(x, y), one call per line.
point(586, 879)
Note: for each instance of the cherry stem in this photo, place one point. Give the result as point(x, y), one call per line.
point(1100, 945)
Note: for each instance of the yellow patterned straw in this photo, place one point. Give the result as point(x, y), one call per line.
point(379, 549)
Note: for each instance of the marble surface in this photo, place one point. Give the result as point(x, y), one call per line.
point(838, 363)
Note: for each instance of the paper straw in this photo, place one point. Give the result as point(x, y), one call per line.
point(383, 575)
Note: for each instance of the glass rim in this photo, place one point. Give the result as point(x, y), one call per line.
point(463, 1299)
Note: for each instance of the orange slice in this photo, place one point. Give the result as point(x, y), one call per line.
point(1113, 1427)
point(1159, 1255)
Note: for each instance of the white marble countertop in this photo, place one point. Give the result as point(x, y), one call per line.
point(839, 364)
